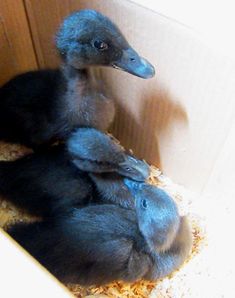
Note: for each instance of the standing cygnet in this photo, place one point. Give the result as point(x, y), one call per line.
point(102, 243)
point(49, 182)
point(40, 106)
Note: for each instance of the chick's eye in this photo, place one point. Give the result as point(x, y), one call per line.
point(101, 45)
point(127, 169)
point(144, 203)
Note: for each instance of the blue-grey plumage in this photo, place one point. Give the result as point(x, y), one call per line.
point(51, 181)
point(39, 107)
point(98, 244)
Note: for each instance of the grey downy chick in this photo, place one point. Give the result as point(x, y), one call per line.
point(39, 107)
point(98, 244)
point(52, 181)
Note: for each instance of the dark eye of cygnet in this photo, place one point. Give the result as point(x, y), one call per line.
point(101, 45)
point(144, 203)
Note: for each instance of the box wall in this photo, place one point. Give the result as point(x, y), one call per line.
point(16, 47)
point(182, 120)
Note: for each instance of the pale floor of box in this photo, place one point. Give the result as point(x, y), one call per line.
point(209, 270)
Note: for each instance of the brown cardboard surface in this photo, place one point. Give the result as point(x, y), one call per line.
point(182, 120)
point(16, 48)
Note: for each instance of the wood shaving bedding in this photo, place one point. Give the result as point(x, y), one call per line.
point(176, 285)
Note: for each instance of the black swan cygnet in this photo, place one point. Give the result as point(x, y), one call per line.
point(98, 244)
point(51, 181)
point(39, 107)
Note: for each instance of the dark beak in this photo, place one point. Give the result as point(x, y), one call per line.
point(139, 169)
point(131, 62)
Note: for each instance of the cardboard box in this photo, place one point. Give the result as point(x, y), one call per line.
point(182, 121)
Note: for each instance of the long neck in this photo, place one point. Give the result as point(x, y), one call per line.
point(90, 75)
point(70, 73)
point(84, 99)
point(76, 88)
